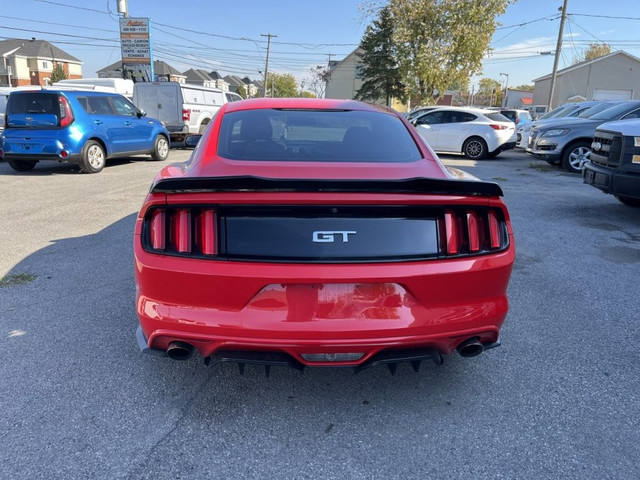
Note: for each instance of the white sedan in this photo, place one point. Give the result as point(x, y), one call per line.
point(477, 133)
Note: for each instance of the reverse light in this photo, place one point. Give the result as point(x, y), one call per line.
point(332, 357)
point(636, 141)
point(186, 114)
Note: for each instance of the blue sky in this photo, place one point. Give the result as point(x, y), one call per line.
point(226, 36)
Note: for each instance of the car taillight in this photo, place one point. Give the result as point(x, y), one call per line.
point(498, 127)
point(66, 114)
point(186, 114)
point(470, 232)
point(184, 231)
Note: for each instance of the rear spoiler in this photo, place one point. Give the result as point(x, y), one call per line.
point(426, 186)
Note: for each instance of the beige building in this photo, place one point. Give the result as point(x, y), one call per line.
point(615, 76)
point(30, 62)
point(345, 80)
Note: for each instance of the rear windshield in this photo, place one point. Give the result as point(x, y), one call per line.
point(34, 103)
point(316, 136)
point(497, 117)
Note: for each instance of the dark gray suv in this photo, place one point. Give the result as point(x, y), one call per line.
point(568, 140)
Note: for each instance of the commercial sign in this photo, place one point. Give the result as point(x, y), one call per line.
point(135, 40)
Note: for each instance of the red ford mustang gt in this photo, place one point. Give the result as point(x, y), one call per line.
point(307, 232)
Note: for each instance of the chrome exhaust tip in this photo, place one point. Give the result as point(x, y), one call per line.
point(471, 347)
point(180, 351)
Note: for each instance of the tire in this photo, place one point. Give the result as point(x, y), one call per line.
point(575, 155)
point(475, 148)
point(629, 201)
point(203, 127)
point(160, 148)
point(92, 158)
point(22, 165)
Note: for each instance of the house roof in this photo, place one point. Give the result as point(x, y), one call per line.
point(159, 68)
point(163, 68)
point(215, 75)
point(336, 63)
point(197, 75)
point(35, 48)
point(588, 62)
point(234, 81)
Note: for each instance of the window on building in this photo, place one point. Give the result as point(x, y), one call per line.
point(45, 64)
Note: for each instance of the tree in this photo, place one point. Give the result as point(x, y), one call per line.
point(317, 80)
point(306, 94)
point(380, 69)
point(492, 89)
point(595, 50)
point(242, 91)
point(442, 42)
point(281, 85)
point(528, 88)
point(57, 73)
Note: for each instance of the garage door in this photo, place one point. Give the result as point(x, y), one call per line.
point(602, 94)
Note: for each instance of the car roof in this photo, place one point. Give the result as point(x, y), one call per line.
point(67, 92)
point(305, 104)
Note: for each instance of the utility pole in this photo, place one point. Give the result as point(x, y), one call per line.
point(558, 48)
point(266, 64)
point(505, 100)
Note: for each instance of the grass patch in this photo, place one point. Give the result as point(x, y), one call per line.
point(16, 279)
point(500, 179)
point(541, 166)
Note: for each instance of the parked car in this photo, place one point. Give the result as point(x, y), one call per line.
point(568, 141)
point(79, 127)
point(566, 110)
point(538, 111)
point(474, 132)
point(519, 117)
point(185, 109)
point(316, 232)
point(419, 111)
point(614, 163)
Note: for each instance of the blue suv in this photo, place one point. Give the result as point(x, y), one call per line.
point(82, 127)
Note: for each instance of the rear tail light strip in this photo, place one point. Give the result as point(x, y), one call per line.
point(472, 232)
point(194, 231)
point(182, 231)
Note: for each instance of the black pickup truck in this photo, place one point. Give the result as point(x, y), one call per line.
point(614, 164)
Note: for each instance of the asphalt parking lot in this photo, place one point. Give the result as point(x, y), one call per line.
point(559, 399)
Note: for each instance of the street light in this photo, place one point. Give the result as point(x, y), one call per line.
point(505, 103)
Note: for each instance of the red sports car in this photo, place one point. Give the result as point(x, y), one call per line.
point(307, 232)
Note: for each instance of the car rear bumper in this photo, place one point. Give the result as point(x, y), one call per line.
point(40, 157)
point(320, 309)
point(611, 181)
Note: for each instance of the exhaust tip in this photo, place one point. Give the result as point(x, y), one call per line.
point(179, 351)
point(470, 348)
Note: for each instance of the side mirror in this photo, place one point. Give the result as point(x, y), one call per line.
point(192, 141)
point(141, 113)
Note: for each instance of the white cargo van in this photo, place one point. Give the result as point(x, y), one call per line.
point(111, 85)
point(184, 109)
